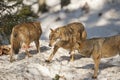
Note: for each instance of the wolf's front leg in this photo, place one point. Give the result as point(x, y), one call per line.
point(11, 57)
point(96, 59)
point(72, 54)
point(28, 54)
point(52, 54)
point(26, 47)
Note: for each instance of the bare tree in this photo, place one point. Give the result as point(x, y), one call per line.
point(42, 6)
point(64, 3)
point(8, 19)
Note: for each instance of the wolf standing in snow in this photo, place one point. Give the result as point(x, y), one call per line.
point(66, 34)
point(24, 34)
point(99, 48)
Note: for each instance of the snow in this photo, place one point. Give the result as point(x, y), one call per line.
point(35, 68)
point(105, 25)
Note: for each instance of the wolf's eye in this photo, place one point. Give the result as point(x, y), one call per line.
point(50, 37)
point(57, 37)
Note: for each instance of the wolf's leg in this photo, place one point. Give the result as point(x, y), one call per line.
point(26, 49)
point(72, 56)
point(96, 58)
point(11, 57)
point(37, 45)
point(52, 54)
point(1, 52)
point(28, 54)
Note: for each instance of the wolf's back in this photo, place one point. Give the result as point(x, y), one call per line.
point(79, 28)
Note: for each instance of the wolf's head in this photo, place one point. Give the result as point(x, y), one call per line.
point(54, 35)
point(15, 40)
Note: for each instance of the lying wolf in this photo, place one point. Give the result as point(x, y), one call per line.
point(99, 48)
point(5, 49)
point(66, 34)
point(24, 34)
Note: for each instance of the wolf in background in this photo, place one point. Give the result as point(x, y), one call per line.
point(25, 33)
point(98, 48)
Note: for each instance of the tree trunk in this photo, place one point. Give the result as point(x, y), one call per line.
point(42, 6)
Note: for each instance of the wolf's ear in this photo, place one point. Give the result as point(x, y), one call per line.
point(36, 23)
point(0, 50)
point(51, 30)
point(84, 35)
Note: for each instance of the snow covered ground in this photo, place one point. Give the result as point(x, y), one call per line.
point(105, 25)
point(35, 68)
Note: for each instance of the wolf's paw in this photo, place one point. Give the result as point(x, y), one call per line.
point(11, 60)
point(30, 55)
point(71, 60)
point(48, 61)
point(94, 77)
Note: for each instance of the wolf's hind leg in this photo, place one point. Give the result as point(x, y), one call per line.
point(37, 45)
point(26, 50)
point(72, 54)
